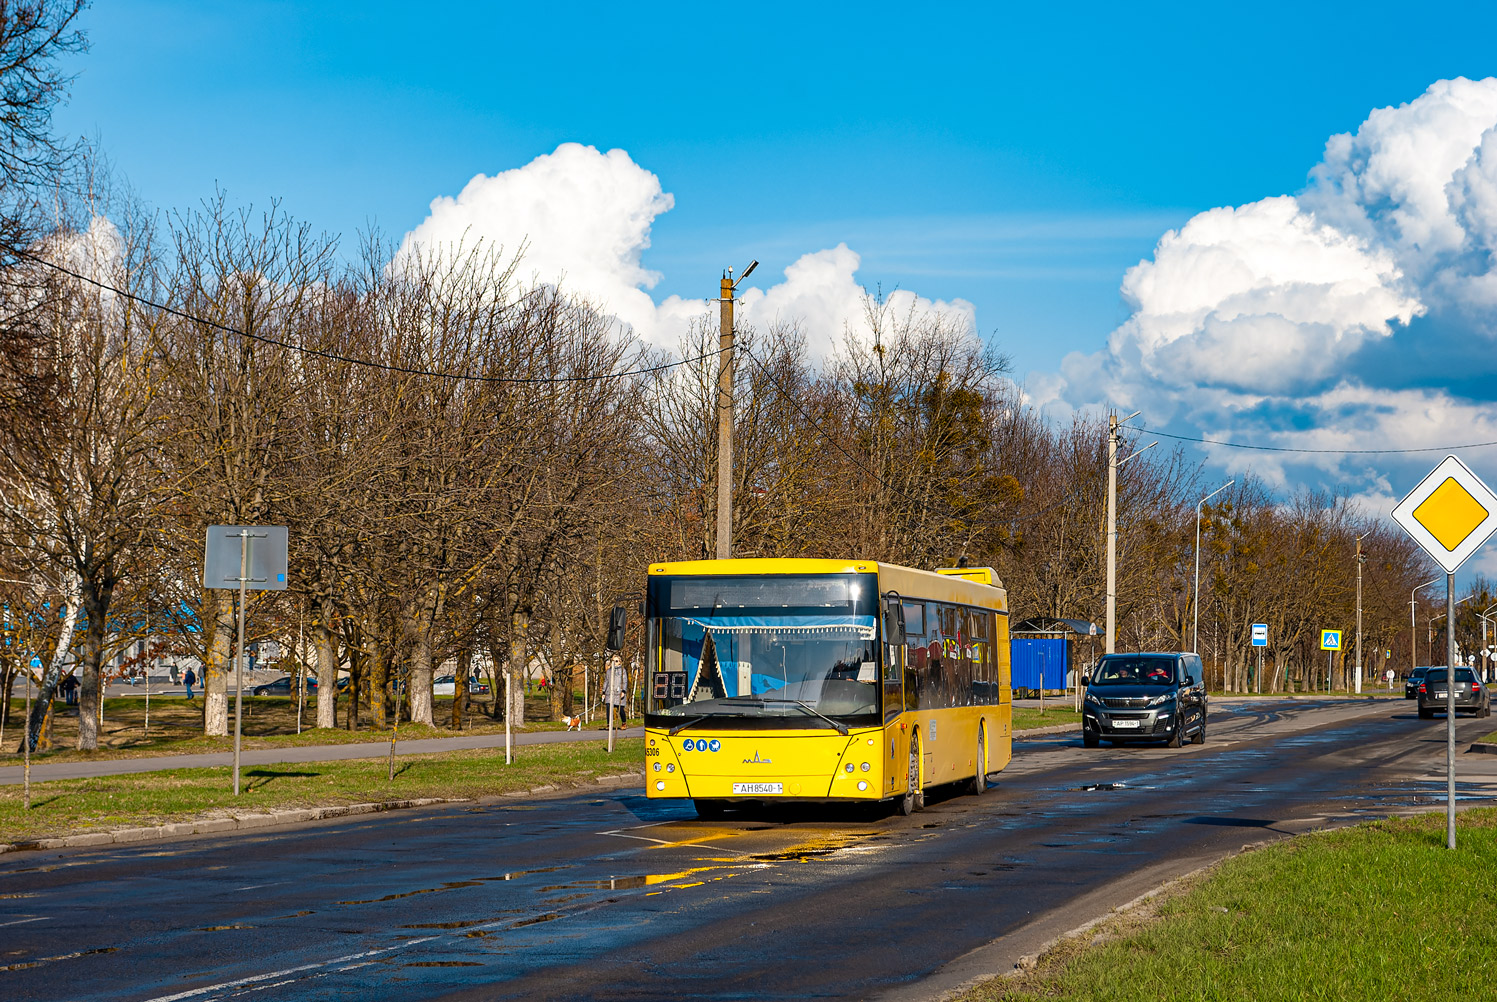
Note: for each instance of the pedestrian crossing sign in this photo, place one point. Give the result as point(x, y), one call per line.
point(1330, 640)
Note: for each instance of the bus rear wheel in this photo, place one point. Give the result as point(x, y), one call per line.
point(980, 781)
point(914, 797)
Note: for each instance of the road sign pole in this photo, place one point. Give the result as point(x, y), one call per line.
point(1260, 671)
point(1450, 711)
point(244, 537)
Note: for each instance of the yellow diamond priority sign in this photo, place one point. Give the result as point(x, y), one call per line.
point(1451, 513)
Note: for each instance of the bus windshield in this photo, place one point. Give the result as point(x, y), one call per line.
point(784, 647)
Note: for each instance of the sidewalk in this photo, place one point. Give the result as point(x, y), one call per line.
point(12, 774)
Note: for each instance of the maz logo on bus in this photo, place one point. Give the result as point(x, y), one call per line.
point(756, 760)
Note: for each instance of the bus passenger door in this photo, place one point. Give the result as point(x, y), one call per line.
point(894, 660)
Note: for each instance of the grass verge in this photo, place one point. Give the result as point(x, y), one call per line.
point(1027, 717)
point(1380, 911)
point(1490, 739)
point(176, 728)
point(70, 806)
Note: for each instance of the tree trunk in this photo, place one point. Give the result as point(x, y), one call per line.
point(91, 689)
point(519, 647)
point(38, 727)
point(218, 608)
point(379, 684)
point(356, 672)
point(460, 687)
point(418, 679)
point(327, 671)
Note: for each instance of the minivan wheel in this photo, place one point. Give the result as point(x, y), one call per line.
point(1425, 714)
point(1177, 737)
point(1090, 738)
point(1199, 737)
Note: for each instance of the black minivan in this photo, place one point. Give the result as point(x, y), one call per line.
point(1145, 697)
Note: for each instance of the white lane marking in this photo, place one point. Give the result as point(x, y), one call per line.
point(253, 887)
point(256, 978)
point(623, 833)
point(39, 918)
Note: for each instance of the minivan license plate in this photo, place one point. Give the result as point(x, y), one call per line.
point(1125, 723)
point(757, 789)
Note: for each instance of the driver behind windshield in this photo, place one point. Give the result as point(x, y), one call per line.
point(1134, 671)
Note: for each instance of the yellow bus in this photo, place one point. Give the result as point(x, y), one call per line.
point(823, 680)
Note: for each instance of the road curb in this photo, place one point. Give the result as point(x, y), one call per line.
point(1483, 748)
point(290, 816)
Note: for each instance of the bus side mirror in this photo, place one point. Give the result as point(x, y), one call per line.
point(894, 622)
point(616, 622)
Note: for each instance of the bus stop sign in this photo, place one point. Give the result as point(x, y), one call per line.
point(1260, 634)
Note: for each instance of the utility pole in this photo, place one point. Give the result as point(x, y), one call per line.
point(1113, 424)
point(725, 422)
point(725, 412)
point(1112, 531)
point(1360, 560)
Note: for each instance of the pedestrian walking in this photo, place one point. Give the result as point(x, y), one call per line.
point(188, 680)
point(69, 689)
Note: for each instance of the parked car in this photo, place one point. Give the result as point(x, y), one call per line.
point(1470, 694)
point(446, 685)
point(282, 687)
point(1411, 683)
point(1145, 697)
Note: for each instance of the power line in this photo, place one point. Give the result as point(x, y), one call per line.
point(1325, 452)
point(335, 357)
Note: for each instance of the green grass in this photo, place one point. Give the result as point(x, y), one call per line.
point(67, 806)
point(1381, 911)
point(1026, 717)
point(176, 728)
point(1490, 739)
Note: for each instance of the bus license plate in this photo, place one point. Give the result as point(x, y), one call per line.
point(757, 789)
point(1125, 723)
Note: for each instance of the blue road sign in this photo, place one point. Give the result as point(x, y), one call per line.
point(1260, 634)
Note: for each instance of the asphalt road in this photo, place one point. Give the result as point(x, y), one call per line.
point(612, 896)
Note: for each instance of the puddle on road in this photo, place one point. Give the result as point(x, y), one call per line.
point(222, 928)
point(63, 956)
point(451, 885)
point(1091, 787)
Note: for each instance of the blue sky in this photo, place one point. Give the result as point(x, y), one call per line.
point(1017, 157)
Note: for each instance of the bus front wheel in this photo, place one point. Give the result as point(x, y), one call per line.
point(914, 797)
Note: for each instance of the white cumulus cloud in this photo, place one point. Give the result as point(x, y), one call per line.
point(583, 218)
point(1360, 313)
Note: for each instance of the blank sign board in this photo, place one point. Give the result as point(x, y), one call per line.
point(267, 557)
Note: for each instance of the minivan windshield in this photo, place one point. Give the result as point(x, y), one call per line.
point(1134, 671)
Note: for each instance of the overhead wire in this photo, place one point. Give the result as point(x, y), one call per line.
point(349, 359)
point(1322, 452)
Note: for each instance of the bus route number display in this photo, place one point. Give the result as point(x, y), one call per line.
point(670, 685)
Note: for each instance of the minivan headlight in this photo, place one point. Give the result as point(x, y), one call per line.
point(1162, 698)
point(1094, 700)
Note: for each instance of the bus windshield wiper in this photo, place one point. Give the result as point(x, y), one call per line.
point(690, 723)
point(841, 727)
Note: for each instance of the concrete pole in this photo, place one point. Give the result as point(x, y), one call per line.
point(725, 424)
point(1359, 616)
point(1450, 711)
point(1112, 532)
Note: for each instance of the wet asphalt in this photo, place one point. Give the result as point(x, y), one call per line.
point(610, 895)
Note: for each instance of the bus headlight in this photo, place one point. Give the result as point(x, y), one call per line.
point(862, 786)
point(848, 767)
point(670, 767)
point(660, 785)
point(865, 767)
point(657, 766)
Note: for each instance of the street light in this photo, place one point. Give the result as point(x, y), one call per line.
point(1195, 630)
point(1486, 651)
point(1414, 625)
point(1449, 626)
